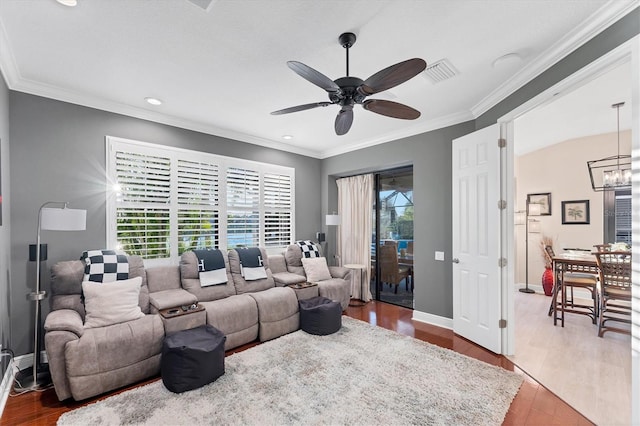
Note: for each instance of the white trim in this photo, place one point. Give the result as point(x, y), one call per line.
point(431, 319)
point(595, 24)
point(5, 386)
point(405, 132)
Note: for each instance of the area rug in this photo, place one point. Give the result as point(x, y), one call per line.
point(361, 375)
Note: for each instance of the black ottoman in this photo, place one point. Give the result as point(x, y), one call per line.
point(192, 358)
point(320, 315)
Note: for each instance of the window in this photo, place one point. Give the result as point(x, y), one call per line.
point(617, 216)
point(166, 201)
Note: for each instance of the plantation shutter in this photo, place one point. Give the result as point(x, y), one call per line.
point(243, 207)
point(277, 210)
point(198, 205)
point(142, 213)
point(165, 201)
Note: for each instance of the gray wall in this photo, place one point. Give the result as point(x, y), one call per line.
point(58, 153)
point(5, 228)
point(430, 155)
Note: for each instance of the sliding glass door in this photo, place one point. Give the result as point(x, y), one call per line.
point(392, 240)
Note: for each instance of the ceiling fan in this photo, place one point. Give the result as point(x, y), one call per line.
point(349, 91)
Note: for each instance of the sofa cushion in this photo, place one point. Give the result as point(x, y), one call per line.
point(316, 269)
point(111, 303)
point(190, 277)
point(161, 278)
point(243, 285)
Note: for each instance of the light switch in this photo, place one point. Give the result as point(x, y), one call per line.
point(440, 255)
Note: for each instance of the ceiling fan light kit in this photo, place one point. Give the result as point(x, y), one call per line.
point(349, 91)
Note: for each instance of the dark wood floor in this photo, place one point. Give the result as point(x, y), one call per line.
point(533, 405)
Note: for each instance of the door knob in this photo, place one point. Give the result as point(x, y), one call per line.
point(455, 260)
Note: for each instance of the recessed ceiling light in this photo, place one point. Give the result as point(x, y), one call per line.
point(153, 101)
point(287, 137)
point(507, 60)
point(70, 3)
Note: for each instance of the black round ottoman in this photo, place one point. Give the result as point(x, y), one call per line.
point(320, 315)
point(192, 358)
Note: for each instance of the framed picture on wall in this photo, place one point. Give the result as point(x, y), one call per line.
point(575, 212)
point(544, 199)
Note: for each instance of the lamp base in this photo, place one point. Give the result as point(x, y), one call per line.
point(527, 290)
point(24, 381)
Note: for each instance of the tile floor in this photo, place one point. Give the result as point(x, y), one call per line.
point(590, 373)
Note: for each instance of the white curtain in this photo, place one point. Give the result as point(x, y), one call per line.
point(355, 207)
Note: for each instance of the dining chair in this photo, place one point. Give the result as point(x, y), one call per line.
point(571, 280)
point(390, 271)
point(615, 300)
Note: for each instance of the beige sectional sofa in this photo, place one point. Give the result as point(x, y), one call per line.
point(85, 362)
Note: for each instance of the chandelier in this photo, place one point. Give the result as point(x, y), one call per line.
point(612, 172)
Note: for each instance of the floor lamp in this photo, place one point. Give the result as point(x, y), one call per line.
point(532, 209)
point(49, 219)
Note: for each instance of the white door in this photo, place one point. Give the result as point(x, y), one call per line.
point(476, 237)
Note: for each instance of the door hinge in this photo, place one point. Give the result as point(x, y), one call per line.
point(502, 204)
point(502, 262)
point(502, 143)
point(502, 323)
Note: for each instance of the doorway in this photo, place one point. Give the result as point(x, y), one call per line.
point(392, 240)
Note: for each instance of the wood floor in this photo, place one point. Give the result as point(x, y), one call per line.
point(533, 405)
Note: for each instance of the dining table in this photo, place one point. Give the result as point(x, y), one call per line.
point(581, 262)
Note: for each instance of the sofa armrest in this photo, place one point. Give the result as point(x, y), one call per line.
point(62, 326)
point(170, 299)
point(287, 278)
point(64, 320)
point(339, 272)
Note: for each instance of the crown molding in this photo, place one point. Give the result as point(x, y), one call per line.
point(595, 24)
point(405, 132)
point(52, 92)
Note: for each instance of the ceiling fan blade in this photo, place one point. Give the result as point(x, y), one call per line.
point(391, 109)
point(392, 76)
point(314, 76)
point(301, 108)
point(344, 121)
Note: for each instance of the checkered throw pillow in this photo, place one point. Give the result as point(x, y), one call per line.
point(309, 248)
point(105, 266)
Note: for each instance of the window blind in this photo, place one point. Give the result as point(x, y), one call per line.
point(168, 200)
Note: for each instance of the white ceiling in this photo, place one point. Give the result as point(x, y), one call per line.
point(222, 69)
point(585, 111)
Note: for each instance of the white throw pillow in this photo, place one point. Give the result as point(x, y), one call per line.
point(316, 269)
point(111, 303)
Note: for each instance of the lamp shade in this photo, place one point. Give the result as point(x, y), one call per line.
point(519, 218)
point(53, 219)
point(333, 219)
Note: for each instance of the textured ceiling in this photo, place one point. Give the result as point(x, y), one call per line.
point(221, 69)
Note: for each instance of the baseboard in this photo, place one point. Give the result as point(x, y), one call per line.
point(5, 386)
point(433, 319)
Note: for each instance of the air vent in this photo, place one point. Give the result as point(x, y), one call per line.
point(440, 71)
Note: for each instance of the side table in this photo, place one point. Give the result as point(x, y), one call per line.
point(305, 290)
point(363, 288)
point(183, 317)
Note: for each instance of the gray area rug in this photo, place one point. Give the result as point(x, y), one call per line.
point(362, 374)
